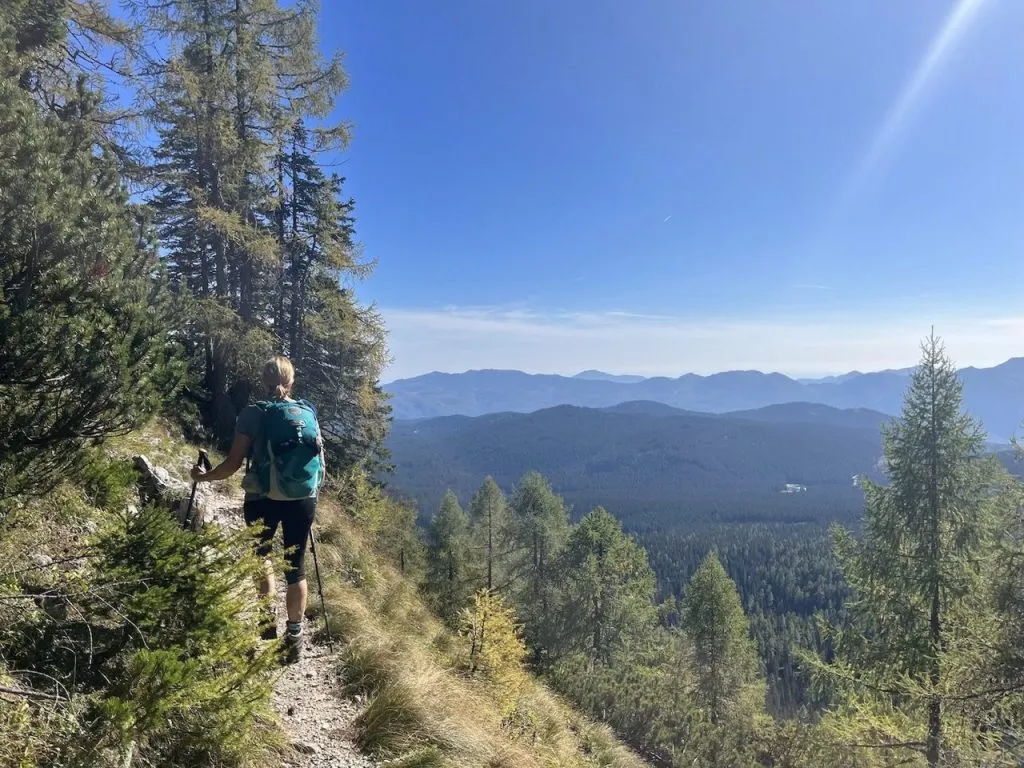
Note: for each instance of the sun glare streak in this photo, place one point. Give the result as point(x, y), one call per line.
point(958, 21)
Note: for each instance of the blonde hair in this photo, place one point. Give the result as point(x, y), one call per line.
point(278, 376)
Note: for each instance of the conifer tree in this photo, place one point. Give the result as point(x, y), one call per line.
point(607, 586)
point(728, 696)
point(85, 350)
point(488, 514)
point(449, 559)
point(337, 345)
point(495, 647)
point(725, 660)
point(537, 531)
point(255, 233)
point(907, 671)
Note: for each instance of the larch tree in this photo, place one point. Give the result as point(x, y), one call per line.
point(907, 670)
point(537, 530)
point(258, 240)
point(724, 656)
point(488, 514)
point(607, 588)
point(728, 694)
point(450, 563)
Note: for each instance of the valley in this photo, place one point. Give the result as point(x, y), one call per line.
point(653, 466)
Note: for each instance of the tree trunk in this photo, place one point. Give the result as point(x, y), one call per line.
point(933, 746)
point(490, 548)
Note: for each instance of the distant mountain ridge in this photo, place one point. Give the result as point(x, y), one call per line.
point(995, 395)
point(593, 375)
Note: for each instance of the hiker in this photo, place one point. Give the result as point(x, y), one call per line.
point(281, 438)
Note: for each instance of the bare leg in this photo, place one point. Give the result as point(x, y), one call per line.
point(295, 598)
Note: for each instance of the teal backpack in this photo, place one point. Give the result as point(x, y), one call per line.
point(290, 466)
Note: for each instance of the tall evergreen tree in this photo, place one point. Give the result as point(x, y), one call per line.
point(488, 514)
point(85, 351)
point(725, 660)
point(728, 695)
point(254, 231)
point(450, 564)
point(537, 531)
point(908, 669)
point(607, 586)
point(337, 345)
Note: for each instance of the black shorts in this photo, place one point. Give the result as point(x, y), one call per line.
point(296, 520)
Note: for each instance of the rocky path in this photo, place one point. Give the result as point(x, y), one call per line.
point(316, 719)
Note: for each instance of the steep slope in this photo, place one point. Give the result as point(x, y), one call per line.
point(640, 464)
point(995, 395)
point(395, 690)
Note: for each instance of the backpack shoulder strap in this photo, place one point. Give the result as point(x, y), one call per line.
point(261, 406)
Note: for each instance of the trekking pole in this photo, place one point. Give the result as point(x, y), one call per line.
point(320, 589)
point(204, 462)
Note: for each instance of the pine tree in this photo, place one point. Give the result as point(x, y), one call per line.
point(907, 671)
point(337, 345)
point(450, 566)
point(85, 350)
point(254, 234)
point(488, 514)
point(725, 660)
point(537, 531)
point(607, 587)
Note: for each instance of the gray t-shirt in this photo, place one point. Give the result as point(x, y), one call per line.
point(248, 424)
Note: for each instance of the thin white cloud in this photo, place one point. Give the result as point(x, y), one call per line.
point(457, 339)
point(667, 219)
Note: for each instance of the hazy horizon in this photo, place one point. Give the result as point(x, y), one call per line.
point(662, 187)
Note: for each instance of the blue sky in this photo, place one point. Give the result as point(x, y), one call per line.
point(665, 186)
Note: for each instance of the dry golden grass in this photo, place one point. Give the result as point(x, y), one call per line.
point(422, 711)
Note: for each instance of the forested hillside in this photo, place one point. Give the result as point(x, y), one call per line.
point(653, 468)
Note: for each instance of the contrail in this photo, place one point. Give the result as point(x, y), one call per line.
point(958, 21)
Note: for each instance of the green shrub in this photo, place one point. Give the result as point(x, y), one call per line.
point(157, 642)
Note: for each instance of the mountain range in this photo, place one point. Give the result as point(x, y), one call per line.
point(995, 395)
point(651, 464)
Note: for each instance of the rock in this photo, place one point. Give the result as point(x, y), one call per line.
point(291, 711)
point(157, 486)
point(305, 747)
point(40, 559)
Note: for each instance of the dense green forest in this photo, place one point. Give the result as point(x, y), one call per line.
point(777, 645)
point(653, 469)
point(167, 220)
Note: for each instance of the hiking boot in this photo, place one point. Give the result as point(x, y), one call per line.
point(269, 625)
point(293, 643)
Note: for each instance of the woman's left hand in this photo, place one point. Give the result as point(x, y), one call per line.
point(197, 473)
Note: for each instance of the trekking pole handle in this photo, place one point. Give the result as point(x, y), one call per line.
point(204, 460)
